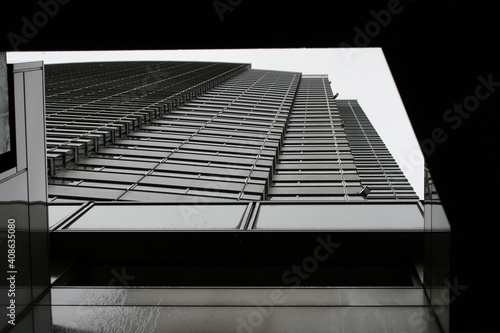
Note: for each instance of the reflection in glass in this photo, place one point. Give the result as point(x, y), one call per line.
point(437, 254)
point(166, 217)
point(340, 217)
point(4, 107)
point(59, 212)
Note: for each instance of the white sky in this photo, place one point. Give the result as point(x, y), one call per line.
point(361, 73)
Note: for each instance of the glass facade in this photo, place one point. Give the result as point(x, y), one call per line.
point(4, 107)
point(182, 132)
point(183, 190)
point(160, 217)
point(375, 166)
point(24, 240)
point(340, 217)
point(8, 158)
point(90, 106)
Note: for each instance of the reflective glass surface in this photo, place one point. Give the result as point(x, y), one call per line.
point(133, 217)
point(58, 212)
point(74, 319)
point(5, 143)
point(340, 217)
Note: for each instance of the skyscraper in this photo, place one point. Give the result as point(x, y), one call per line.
point(214, 197)
point(155, 132)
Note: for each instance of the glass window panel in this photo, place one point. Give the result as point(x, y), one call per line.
point(340, 217)
point(59, 212)
point(164, 217)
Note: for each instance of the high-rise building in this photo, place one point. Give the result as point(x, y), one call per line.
point(213, 197)
point(217, 132)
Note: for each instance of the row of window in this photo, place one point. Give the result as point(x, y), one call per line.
point(377, 168)
point(315, 162)
point(190, 152)
point(78, 110)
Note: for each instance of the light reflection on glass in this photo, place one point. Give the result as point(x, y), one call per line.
point(132, 217)
point(340, 217)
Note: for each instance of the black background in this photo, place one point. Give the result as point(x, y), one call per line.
point(435, 49)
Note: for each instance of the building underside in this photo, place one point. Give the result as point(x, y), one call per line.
point(212, 197)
